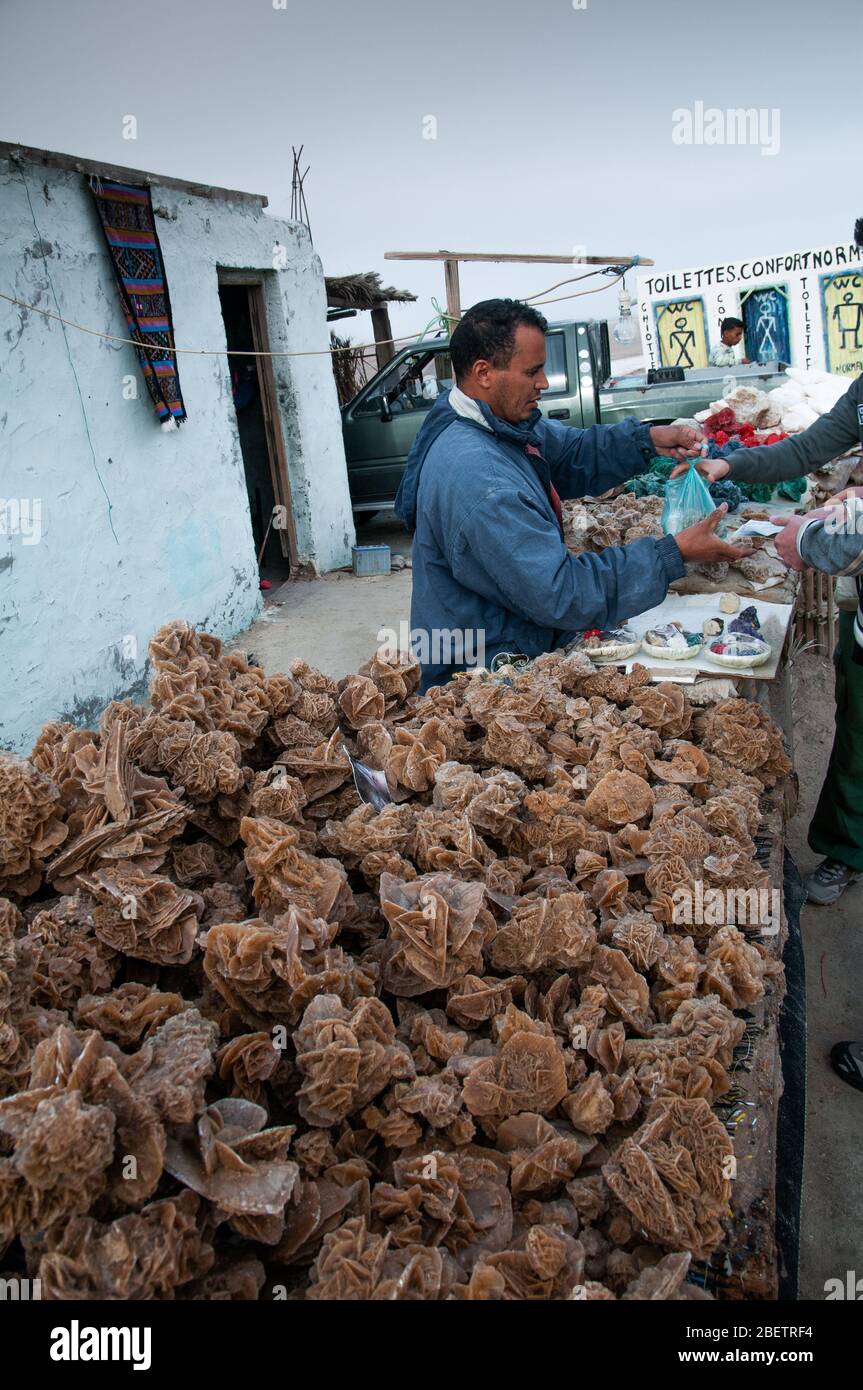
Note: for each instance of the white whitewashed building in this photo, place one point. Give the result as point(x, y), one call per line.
point(111, 524)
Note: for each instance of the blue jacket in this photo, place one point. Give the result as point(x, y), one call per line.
point(488, 557)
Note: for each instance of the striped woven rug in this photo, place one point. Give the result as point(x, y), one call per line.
point(126, 214)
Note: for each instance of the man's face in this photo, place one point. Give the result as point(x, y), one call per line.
point(731, 337)
point(513, 391)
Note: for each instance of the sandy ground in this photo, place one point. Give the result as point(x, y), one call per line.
point(333, 623)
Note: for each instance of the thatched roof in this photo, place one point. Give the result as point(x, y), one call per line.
point(362, 292)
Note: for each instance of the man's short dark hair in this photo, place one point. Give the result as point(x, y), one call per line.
point(858, 232)
point(487, 331)
point(728, 324)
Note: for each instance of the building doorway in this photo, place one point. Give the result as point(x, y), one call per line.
point(253, 388)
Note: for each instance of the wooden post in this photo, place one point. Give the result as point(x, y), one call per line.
point(831, 614)
point(514, 257)
point(272, 423)
point(809, 602)
point(384, 347)
point(453, 293)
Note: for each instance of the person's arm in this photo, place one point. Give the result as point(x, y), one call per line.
point(586, 463)
point(509, 551)
point(800, 454)
point(834, 543)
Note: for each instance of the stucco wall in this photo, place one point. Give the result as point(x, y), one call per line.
point(138, 524)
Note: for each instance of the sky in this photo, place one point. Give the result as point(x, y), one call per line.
point(553, 122)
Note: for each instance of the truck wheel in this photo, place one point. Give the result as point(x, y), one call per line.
point(363, 518)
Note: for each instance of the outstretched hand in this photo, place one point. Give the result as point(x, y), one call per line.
point(711, 469)
point(700, 545)
point(786, 540)
point(832, 511)
point(676, 441)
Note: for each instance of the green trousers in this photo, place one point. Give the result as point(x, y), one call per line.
point(837, 826)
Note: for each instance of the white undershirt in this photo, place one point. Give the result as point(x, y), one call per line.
point(467, 407)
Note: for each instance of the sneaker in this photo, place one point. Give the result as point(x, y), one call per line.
point(829, 881)
point(847, 1059)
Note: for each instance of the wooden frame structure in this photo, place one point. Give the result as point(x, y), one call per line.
point(451, 261)
point(366, 292)
point(278, 456)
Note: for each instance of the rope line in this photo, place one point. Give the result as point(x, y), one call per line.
point(441, 317)
point(196, 352)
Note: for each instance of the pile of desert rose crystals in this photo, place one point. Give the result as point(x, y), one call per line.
point(260, 1039)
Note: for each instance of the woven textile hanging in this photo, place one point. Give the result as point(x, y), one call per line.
point(126, 214)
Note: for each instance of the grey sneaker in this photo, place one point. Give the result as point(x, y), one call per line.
point(828, 882)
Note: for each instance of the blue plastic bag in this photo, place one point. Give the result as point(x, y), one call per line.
point(687, 501)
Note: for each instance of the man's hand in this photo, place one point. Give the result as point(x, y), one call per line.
point(700, 545)
point(711, 469)
point(786, 540)
point(676, 441)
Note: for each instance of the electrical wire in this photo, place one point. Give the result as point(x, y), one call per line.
point(194, 352)
point(571, 281)
point(579, 293)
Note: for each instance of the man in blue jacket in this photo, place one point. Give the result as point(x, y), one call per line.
point(482, 489)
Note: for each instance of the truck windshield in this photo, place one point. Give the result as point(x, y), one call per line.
point(413, 384)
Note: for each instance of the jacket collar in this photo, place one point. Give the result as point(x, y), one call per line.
point(468, 408)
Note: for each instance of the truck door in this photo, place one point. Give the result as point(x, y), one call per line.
point(380, 423)
point(562, 400)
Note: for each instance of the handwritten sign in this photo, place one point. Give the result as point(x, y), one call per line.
point(804, 307)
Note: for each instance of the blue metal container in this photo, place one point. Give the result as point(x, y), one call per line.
point(371, 559)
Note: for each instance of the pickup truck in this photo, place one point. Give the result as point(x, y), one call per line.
point(380, 422)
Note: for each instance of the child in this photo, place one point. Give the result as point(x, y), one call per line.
point(726, 354)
